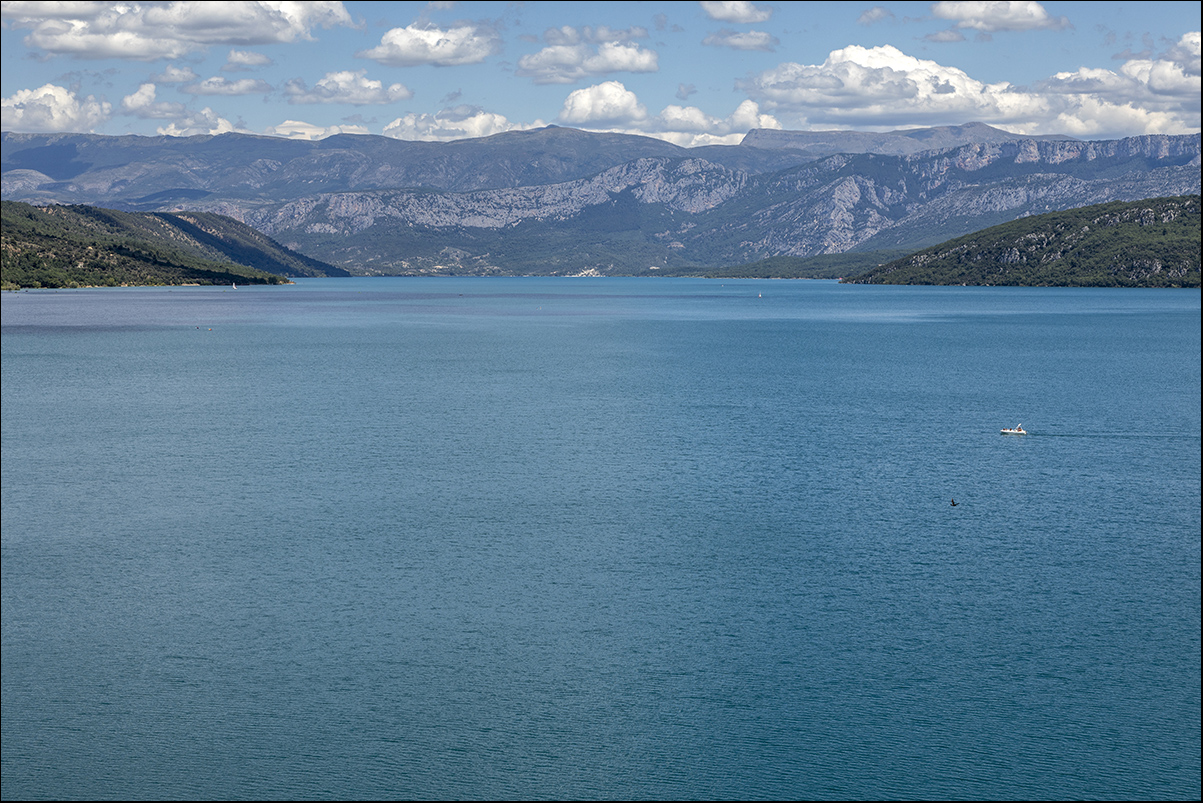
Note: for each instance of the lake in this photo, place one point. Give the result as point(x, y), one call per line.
point(600, 538)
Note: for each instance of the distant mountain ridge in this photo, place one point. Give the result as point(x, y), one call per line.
point(558, 200)
point(820, 144)
point(146, 171)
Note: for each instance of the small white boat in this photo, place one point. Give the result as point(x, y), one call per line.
point(1018, 430)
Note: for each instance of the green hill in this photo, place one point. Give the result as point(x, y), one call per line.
point(1149, 243)
point(86, 246)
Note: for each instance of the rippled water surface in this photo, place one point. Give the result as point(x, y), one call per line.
point(548, 538)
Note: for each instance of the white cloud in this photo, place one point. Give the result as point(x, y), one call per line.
point(175, 75)
point(686, 119)
point(142, 104)
point(353, 88)
point(689, 126)
point(1167, 85)
point(736, 11)
point(413, 45)
point(856, 80)
point(610, 106)
point(148, 31)
point(743, 40)
point(874, 15)
point(460, 122)
point(568, 58)
point(1091, 118)
point(19, 9)
point(987, 16)
point(884, 87)
point(221, 86)
point(1186, 53)
point(245, 60)
point(51, 108)
point(206, 121)
point(296, 129)
point(606, 103)
point(945, 37)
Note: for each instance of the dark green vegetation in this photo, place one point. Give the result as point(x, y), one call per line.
point(1149, 243)
point(85, 246)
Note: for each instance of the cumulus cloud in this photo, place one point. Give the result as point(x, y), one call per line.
point(206, 121)
point(610, 106)
point(460, 122)
point(605, 103)
point(857, 83)
point(142, 104)
point(52, 108)
point(573, 54)
point(221, 86)
point(1185, 54)
point(883, 86)
point(987, 16)
point(689, 126)
point(175, 75)
point(296, 129)
point(736, 11)
point(245, 60)
point(566, 64)
point(413, 45)
point(1166, 84)
point(148, 31)
point(743, 40)
point(353, 88)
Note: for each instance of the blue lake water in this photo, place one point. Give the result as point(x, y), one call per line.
point(600, 538)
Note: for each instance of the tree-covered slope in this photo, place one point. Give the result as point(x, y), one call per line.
point(80, 246)
point(1149, 243)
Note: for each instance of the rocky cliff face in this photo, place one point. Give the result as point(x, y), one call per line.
point(345, 201)
point(689, 185)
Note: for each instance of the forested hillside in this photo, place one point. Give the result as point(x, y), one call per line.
point(86, 246)
point(1150, 243)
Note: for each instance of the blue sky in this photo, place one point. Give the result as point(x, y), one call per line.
point(692, 73)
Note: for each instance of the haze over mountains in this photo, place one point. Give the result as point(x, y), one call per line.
point(558, 200)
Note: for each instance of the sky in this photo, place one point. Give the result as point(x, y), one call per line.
point(691, 73)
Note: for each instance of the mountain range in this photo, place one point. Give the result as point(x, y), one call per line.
point(563, 201)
